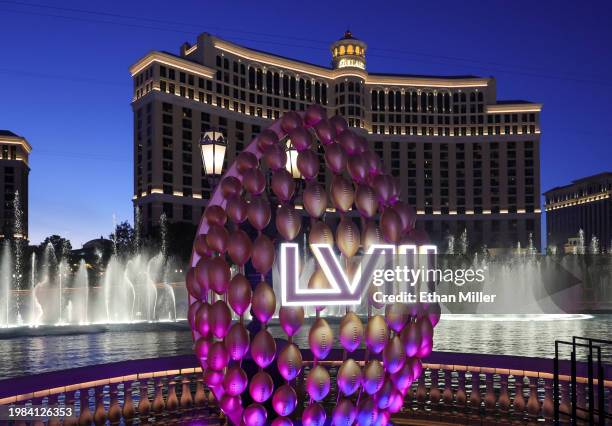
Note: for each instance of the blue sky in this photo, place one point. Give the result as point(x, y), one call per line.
point(66, 86)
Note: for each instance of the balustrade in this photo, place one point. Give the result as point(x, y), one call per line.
point(484, 394)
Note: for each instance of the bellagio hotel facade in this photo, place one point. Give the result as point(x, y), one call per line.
point(465, 160)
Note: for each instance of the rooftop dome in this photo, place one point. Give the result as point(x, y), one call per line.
point(348, 52)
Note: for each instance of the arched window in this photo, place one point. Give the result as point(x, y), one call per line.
point(317, 89)
point(440, 105)
point(276, 83)
point(350, 50)
point(308, 90)
point(286, 85)
point(259, 75)
point(225, 63)
point(324, 94)
point(342, 87)
point(350, 86)
point(342, 50)
point(480, 97)
point(301, 89)
point(251, 78)
point(463, 97)
point(430, 101)
point(292, 88)
point(269, 81)
point(423, 102)
point(472, 97)
point(391, 98)
point(374, 100)
point(242, 69)
point(398, 101)
point(381, 100)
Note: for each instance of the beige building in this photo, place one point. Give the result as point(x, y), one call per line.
point(14, 171)
point(464, 159)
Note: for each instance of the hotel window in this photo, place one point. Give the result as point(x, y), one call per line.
point(251, 78)
point(391, 100)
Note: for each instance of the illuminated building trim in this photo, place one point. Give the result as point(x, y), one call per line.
point(274, 61)
point(8, 140)
point(164, 58)
point(513, 108)
point(191, 49)
point(578, 200)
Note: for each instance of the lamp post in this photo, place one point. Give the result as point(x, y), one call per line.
point(213, 146)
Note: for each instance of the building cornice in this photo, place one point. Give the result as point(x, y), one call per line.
point(441, 82)
point(604, 195)
point(12, 140)
point(369, 79)
point(164, 58)
point(513, 108)
point(270, 60)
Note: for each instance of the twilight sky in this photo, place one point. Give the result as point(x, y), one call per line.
point(66, 86)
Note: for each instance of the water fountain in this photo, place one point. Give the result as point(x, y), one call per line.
point(581, 249)
point(62, 274)
point(35, 308)
point(19, 246)
point(139, 288)
point(81, 286)
point(450, 244)
point(463, 243)
point(531, 249)
point(5, 283)
point(594, 245)
point(168, 298)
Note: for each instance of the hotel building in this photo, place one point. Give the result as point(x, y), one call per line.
point(584, 204)
point(14, 171)
point(464, 159)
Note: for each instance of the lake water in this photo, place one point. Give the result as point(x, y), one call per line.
point(30, 355)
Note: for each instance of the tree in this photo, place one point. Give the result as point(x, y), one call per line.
point(124, 239)
point(61, 246)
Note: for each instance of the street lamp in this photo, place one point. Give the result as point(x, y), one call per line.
point(213, 146)
point(291, 165)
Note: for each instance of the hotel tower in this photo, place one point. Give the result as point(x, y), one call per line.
point(465, 160)
point(14, 172)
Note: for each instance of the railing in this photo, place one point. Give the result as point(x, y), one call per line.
point(454, 388)
point(595, 408)
point(160, 390)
